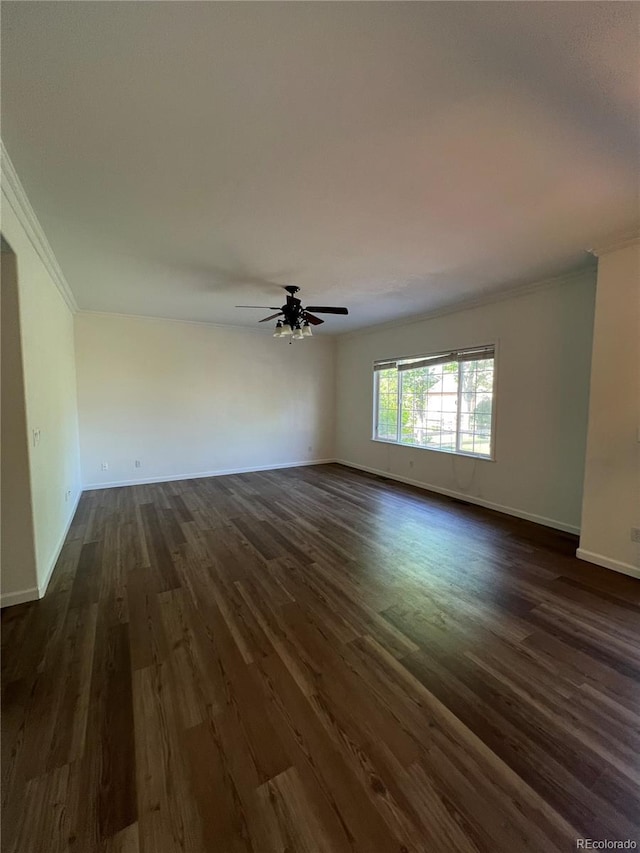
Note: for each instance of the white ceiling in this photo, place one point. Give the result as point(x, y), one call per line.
point(392, 157)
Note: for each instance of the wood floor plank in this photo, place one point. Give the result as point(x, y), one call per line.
point(224, 820)
point(198, 697)
point(117, 807)
point(318, 660)
point(146, 632)
point(125, 841)
point(163, 574)
point(48, 814)
point(168, 817)
point(73, 672)
point(290, 816)
point(106, 770)
point(310, 745)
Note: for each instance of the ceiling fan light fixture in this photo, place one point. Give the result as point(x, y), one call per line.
point(297, 321)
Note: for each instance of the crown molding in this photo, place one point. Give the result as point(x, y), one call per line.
point(17, 198)
point(614, 242)
point(156, 318)
point(477, 302)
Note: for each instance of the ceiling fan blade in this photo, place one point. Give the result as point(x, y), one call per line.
point(320, 309)
point(315, 321)
point(267, 307)
point(271, 317)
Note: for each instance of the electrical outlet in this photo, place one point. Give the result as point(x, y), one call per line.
point(138, 463)
point(105, 466)
point(635, 534)
point(36, 437)
point(67, 495)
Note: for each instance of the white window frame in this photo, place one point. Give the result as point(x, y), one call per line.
point(457, 452)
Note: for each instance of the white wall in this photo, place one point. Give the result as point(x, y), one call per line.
point(195, 399)
point(46, 331)
point(611, 504)
point(544, 351)
point(18, 576)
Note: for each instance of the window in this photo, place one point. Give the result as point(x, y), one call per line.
point(440, 402)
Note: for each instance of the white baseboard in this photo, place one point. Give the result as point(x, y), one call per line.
point(44, 583)
point(33, 593)
point(463, 496)
point(219, 473)
point(7, 599)
point(608, 563)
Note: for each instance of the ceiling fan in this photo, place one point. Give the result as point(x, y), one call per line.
point(297, 321)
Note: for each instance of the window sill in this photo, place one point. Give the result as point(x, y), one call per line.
point(491, 458)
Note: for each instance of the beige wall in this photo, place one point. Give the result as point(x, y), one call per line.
point(190, 398)
point(18, 575)
point(544, 350)
point(46, 332)
point(611, 504)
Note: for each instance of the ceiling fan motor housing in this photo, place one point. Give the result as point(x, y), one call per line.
point(295, 316)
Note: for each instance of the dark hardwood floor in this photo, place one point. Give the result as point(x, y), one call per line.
point(315, 660)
